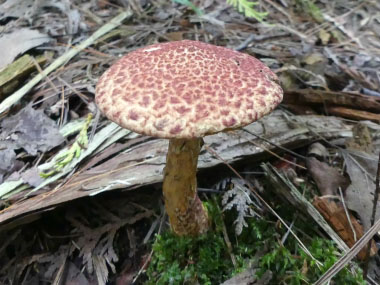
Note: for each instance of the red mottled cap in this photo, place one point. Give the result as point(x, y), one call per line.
point(186, 89)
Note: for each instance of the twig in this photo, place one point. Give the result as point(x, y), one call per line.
point(226, 238)
point(276, 155)
point(254, 37)
point(163, 217)
point(15, 97)
point(349, 255)
point(275, 145)
point(280, 9)
point(283, 239)
point(375, 199)
point(62, 108)
point(301, 35)
point(80, 94)
point(341, 27)
point(95, 125)
point(346, 212)
point(38, 67)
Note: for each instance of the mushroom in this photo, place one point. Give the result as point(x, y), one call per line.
point(183, 91)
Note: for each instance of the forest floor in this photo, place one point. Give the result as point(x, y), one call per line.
point(81, 200)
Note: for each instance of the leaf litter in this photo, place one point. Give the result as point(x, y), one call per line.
point(322, 61)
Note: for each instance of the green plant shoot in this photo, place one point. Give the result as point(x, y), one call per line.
point(61, 160)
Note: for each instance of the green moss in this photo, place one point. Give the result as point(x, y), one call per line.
point(206, 260)
point(179, 260)
point(299, 268)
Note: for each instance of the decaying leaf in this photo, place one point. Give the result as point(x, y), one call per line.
point(19, 42)
point(336, 216)
point(7, 160)
point(32, 177)
point(317, 150)
point(361, 167)
point(361, 139)
point(31, 130)
point(327, 178)
point(15, 8)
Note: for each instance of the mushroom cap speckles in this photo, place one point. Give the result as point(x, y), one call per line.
point(186, 89)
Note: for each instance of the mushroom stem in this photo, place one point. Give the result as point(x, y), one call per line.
point(186, 213)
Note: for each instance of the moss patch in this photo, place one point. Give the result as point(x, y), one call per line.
point(206, 260)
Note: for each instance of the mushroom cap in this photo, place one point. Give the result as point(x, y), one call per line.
point(186, 89)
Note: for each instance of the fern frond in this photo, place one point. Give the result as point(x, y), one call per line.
point(248, 9)
point(238, 198)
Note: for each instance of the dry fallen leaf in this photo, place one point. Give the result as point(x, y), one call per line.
point(7, 160)
point(19, 42)
point(361, 167)
point(31, 130)
point(327, 178)
point(324, 36)
point(318, 150)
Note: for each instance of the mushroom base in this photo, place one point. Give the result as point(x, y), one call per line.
point(185, 210)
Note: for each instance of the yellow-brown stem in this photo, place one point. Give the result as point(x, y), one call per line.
point(186, 213)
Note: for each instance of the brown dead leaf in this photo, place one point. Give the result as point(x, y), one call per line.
point(327, 178)
point(175, 36)
point(336, 216)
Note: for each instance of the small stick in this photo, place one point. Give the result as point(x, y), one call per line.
point(375, 199)
point(347, 214)
point(225, 235)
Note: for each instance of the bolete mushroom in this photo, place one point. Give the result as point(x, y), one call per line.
point(184, 91)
